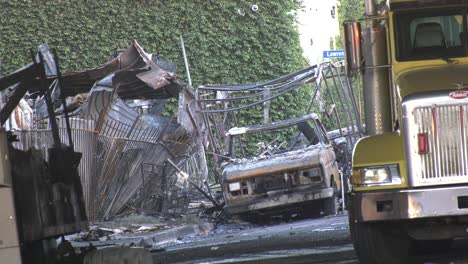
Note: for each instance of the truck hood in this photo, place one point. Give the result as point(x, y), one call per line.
point(293, 160)
point(443, 77)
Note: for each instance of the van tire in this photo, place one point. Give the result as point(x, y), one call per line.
point(331, 204)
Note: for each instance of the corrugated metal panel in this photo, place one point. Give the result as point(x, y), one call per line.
point(111, 167)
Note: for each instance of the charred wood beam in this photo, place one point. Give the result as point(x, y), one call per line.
point(17, 76)
point(212, 139)
point(21, 74)
point(194, 122)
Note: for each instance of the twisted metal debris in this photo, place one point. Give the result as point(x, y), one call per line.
point(117, 125)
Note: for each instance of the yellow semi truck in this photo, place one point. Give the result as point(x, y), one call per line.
point(410, 173)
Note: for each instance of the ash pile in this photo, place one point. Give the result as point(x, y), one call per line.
point(134, 159)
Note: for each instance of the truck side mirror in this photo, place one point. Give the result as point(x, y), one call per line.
point(353, 49)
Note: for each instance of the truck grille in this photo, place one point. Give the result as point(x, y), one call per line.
point(446, 127)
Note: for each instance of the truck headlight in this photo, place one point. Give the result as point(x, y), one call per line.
point(377, 175)
point(234, 186)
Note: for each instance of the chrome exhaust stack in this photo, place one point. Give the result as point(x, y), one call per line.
point(376, 73)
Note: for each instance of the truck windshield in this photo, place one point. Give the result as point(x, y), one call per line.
point(430, 35)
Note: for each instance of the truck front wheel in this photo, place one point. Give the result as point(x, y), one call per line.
point(379, 243)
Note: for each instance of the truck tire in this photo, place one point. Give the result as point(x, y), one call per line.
point(379, 244)
point(432, 246)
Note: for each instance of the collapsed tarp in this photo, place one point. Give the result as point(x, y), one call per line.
point(125, 146)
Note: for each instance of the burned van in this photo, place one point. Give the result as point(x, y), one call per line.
point(302, 177)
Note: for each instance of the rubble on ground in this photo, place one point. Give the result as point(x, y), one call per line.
point(138, 230)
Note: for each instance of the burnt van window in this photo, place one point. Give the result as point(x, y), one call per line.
point(430, 36)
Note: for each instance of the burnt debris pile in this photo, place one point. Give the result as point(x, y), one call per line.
point(133, 158)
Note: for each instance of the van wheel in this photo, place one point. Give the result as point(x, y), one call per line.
point(379, 244)
point(332, 204)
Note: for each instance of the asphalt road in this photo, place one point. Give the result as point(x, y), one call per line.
point(322, 240)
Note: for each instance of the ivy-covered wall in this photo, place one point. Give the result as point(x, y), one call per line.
point(226, 41)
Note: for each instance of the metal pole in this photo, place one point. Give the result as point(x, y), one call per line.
point(266, 106)
point(185, 60)
point(59, 83)
point(343, 204)
point(1, 93)
point(49, 104)
point(370, 8)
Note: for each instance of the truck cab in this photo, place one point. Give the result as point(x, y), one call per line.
point(410, 173)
